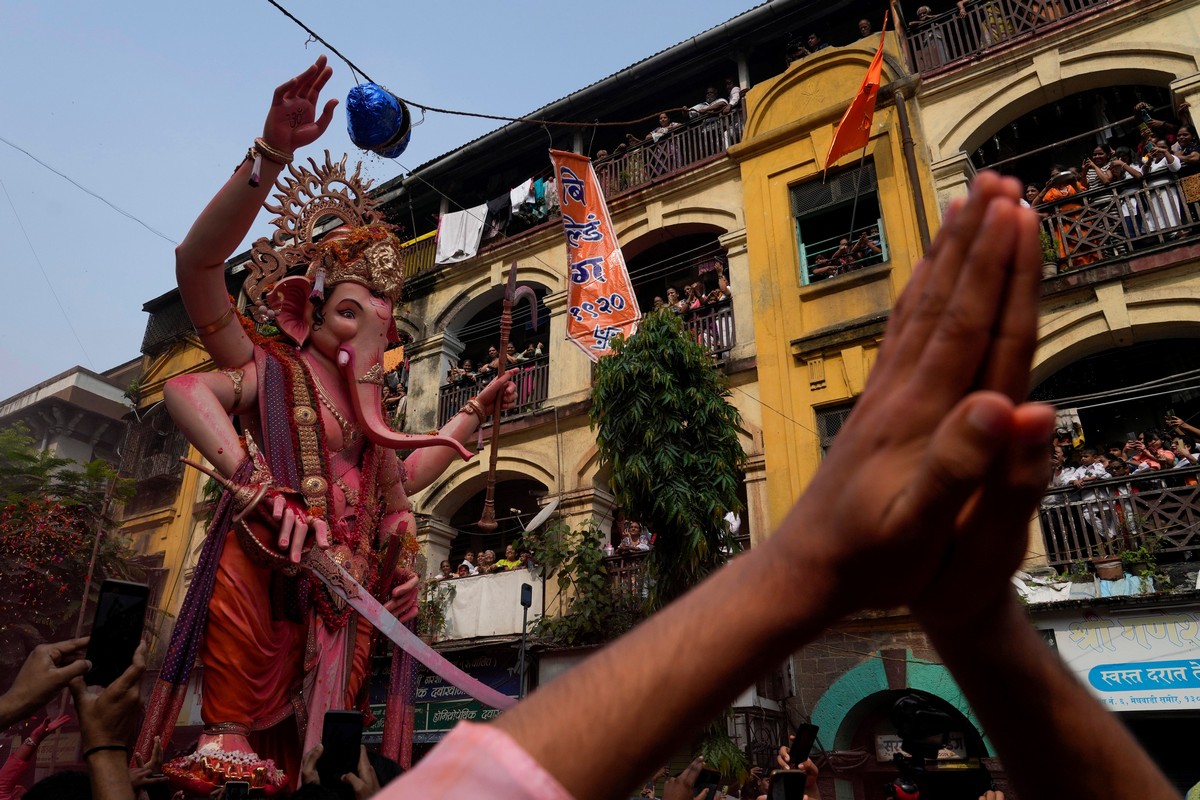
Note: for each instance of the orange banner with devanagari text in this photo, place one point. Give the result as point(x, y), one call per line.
point(600, 299)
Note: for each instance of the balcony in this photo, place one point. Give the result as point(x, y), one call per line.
point(713, 327)
point(419, 254)
point(532, 382)
point(1116, 224)
point(1164, 504)
point(953, 38)
point(684, 147)
point(490, 605)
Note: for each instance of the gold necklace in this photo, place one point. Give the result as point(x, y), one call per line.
point(350, 430)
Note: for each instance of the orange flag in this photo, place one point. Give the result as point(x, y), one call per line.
point(854, 131)
point(600, 299)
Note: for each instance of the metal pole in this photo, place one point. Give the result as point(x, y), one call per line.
point(526, 602)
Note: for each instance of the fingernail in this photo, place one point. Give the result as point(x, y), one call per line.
point(987, 418)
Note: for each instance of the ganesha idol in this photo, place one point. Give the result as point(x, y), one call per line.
point(310, 467)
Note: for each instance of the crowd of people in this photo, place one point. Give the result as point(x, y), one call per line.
point(1153, 181)
point(466, 371)
point(847, 255)
point(486, 563)
point(1080, 484)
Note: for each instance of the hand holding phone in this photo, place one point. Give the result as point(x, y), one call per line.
point(341, 738)
point(116, 630)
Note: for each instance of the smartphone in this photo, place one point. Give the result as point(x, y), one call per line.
point(787, 784)
point(341, 737)
point(158, 791)
point(116, 630)
point(236, 790)
point(802, 744)
point(706, 784)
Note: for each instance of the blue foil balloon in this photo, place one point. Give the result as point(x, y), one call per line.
point(377, 120)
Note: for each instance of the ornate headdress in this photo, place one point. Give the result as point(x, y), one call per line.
point(369, 253)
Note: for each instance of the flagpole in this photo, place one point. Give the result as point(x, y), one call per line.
point(857, 184)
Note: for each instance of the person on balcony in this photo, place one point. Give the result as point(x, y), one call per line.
point(489, 370)
point(1096, 170)
point(713, 104)
point(994, 25)
point(447, 571)
point(1074, 249)
point(931, 40)
point(487, 562)
point(1129, 177)
point(510, 560)
point(468, 562)
point(674, 301)
point(463, 571)
point(722, 292)
point(1093, 501)
point(1164, 211)
point(694, 297)
point(634, 540)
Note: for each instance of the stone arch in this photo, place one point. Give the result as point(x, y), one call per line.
point(461, 482)
point(639, 235)
point(477, 295)
point(1073, 333)
point(1054, 75)
point(848, 699)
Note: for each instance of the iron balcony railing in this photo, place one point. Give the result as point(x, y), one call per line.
point(419, 254)
point(684, 147)
point(1115, 222)
point(1109, 516)
point(713, 327)
point(532, 381)
point(957, 36)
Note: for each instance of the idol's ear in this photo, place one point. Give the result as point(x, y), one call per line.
point(289, 298)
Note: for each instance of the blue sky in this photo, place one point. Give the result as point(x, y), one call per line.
point(152, 105)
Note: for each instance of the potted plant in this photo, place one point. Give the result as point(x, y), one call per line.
point(1109, 568)
point(1049, 255)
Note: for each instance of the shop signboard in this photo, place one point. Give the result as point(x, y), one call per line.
point(441, 705)
point(1138, 661)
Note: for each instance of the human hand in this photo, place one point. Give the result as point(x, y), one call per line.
point(682, 786)
point(364, 781)
point(291, 121)
point(811, 790)
point(992, 794)
point(148, 773)
point(308, 766)
point(48, 669)
point(403, 601)
point(1173, 422)
point(107, 714)
point(939, 461)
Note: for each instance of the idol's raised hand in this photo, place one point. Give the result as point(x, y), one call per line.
point(292, 121)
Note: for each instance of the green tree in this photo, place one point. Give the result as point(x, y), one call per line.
point(51, 510)
point(594, 611)
point(664, 424)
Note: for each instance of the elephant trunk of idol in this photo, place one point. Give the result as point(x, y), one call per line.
point(367, 398)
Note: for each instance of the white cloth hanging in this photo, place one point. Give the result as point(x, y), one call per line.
point(459, 234)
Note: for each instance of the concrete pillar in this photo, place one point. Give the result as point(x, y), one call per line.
point(434, 538)
point(1187, 90)
point(570, 369)
point(738, 273)
point(952, 178)
point(429, 360)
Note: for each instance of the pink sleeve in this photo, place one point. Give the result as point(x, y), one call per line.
point(11, 774)
point(477, 761)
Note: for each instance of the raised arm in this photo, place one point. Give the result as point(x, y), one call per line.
point(939, 461)
point(225, 221)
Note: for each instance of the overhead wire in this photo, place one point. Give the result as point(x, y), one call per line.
point(88, 191)
point(452, 112)
point(37, 259)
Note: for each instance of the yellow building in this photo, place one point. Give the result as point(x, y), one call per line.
point(816, 335)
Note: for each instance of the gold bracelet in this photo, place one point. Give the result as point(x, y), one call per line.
point(280, 157)
point(473, 406)
point(213, 327)
point(235, 376)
